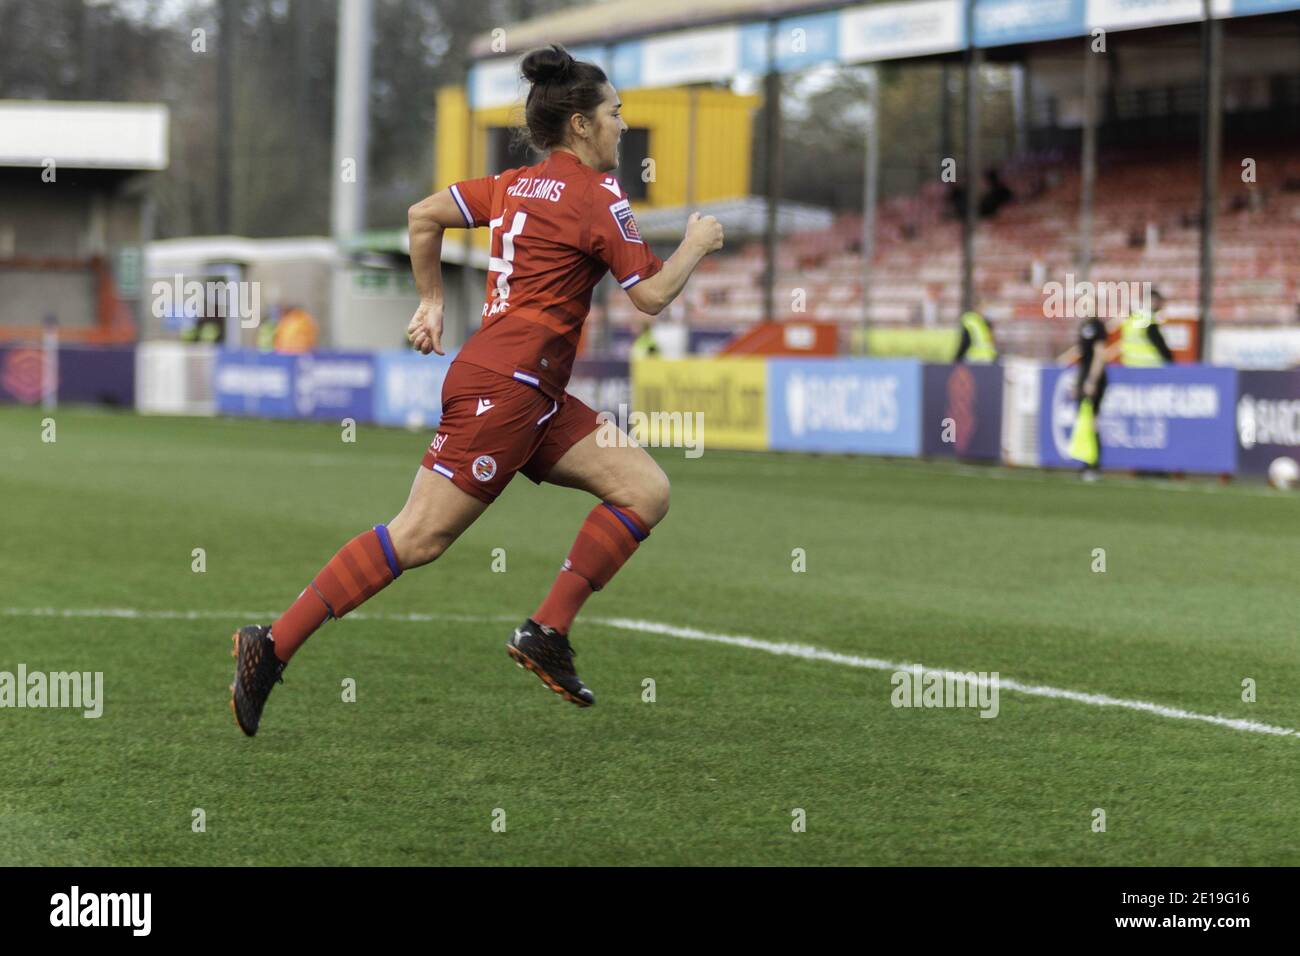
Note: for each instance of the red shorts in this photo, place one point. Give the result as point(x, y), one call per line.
point(493, 426)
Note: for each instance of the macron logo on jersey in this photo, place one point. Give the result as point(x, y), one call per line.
point(483, 406)
point(622, 213)
point(610, 183)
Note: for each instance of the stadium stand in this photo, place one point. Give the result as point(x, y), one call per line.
point(1145, 228)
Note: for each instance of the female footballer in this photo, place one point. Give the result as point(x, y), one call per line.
point(556, 228)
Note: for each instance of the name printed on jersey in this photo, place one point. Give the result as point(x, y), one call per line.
point(534, 188)
point(622, 213)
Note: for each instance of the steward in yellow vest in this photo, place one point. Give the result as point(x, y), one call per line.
point(976, 340)
point(1141, 344)
point(645, 345)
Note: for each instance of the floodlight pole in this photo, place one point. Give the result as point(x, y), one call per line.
point(974, 59)
point(351, 120)
point(1088, 160)
point(870, 189)
point(1211, 145)
point(228, 31)
point(772, 149)
point(351, 126)
point(945, 111)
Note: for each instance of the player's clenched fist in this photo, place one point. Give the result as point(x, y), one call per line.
point(425, 331)
point(705, 232)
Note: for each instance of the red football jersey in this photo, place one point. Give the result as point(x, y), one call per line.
point(556, 228)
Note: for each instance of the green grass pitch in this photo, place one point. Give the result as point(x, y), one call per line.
point(982, 569)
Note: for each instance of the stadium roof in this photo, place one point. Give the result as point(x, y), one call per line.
point(617, 19)
point(84, 135)
point(677, 42)
point(857, 31)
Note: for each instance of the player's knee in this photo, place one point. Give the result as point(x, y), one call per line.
point(414, 548)
point(653, 496)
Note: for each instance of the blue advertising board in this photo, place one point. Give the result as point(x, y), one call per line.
point(334, 385)
point(625, 65)
point(869, 406)
point(1249, 7)
point(255, 384)
point(408, 388)
point(1175, 418)
point(804, 42)
point(1268, 418)
point(961, 411)
point(82, 373)
point(104, 375)
point(1001, 22)
point(322, 385)
point(22, 374)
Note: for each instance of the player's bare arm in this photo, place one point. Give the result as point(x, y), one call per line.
point(703, 236)
point(427, 220)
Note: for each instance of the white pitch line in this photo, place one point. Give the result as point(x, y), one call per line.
point(785, 649)
point(873, 663)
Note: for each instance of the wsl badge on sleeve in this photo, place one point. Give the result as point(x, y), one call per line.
point(622, 212)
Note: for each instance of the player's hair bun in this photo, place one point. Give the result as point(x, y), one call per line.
point(561, 86)
point(548, 65)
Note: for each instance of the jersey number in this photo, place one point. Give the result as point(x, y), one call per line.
point(504, 265)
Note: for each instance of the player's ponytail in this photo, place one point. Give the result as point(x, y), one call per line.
point(561, 86)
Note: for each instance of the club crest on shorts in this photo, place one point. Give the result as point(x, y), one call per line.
point(484, 467)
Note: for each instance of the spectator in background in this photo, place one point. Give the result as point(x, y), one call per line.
point(957, 200)
point(996, 194)
point(293, 330)
point(976, 345)
point(1141, 343)
point(296, 331)
point(645, 345)
point(206, 329)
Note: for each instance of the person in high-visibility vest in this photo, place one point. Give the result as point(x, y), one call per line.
point(1141, 344)
point(266, 331)
point(205, 330)
point(645, 345)
point(976, 344)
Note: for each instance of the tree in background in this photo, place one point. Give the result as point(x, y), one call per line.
point(283, 94)
point(824, 123)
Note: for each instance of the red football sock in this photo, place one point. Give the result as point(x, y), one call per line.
point(362, 568)
point(604, 543)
